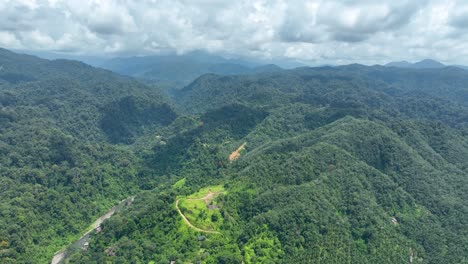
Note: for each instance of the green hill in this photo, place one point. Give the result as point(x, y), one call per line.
point(336, 169)
point(353, 191)
point(59, 168)
point(349, 164)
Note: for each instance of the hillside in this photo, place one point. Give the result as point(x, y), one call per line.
point(60, 168)
point(331, 195)
point(351, 164)
point(79, 98)
point(360, 88)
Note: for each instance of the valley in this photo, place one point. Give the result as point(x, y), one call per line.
point(344, 164)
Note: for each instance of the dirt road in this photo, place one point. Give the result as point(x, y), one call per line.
point(207, 198)
point(190, 224)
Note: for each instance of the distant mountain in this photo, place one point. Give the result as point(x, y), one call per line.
point(424, 64)
point(461, 67)
point(428, 64)
point(267, 68)
point(399, 64)
point(176, 71)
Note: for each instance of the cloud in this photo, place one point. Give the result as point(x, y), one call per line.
point(8, 39)
point(347, 21)
point(321, 31)
point(459, 15)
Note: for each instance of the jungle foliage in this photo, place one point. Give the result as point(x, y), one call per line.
point(348, 164)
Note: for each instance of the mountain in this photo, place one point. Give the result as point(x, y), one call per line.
point(424, 64)
point(175, 71)
point(461, 66)
point(428, 64)
point(64, 126)
point(314, 165)
point(348, 164)
point(267, 68)
point(399, 64)
point(58, 86)
point(385, 84)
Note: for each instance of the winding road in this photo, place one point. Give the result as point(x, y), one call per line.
point(209, 196)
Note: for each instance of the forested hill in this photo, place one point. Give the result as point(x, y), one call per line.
point(87, 102)
point(330, 83)
point(348, 164)
point(60, 169)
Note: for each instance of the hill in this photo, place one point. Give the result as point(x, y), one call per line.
point(59, 121)
point(353, 85)
point(349, 164)
point(79, 98)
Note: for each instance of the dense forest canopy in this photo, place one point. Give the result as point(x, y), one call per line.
point(348, 164)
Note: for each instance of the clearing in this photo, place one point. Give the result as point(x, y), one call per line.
point(236, 154)
point(200, 210)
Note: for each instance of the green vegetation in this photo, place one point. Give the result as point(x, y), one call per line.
point(59, 172)
point(348, 164)
point(202, 209)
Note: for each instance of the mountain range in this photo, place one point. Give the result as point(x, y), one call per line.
point(249, 164)
point(424, 64)
point(172, 72)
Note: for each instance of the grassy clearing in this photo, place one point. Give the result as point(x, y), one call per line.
point(202, 209)
point(205, 191)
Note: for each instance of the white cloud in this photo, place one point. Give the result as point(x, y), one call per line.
point(8, 39)
point(321, 31)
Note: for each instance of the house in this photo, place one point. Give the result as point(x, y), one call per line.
point(86, 246)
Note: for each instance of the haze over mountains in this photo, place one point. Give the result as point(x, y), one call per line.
point(180, 70)
point(172, 72)
point(423, 64)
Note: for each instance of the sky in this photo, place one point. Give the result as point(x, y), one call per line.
point(316, 32)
